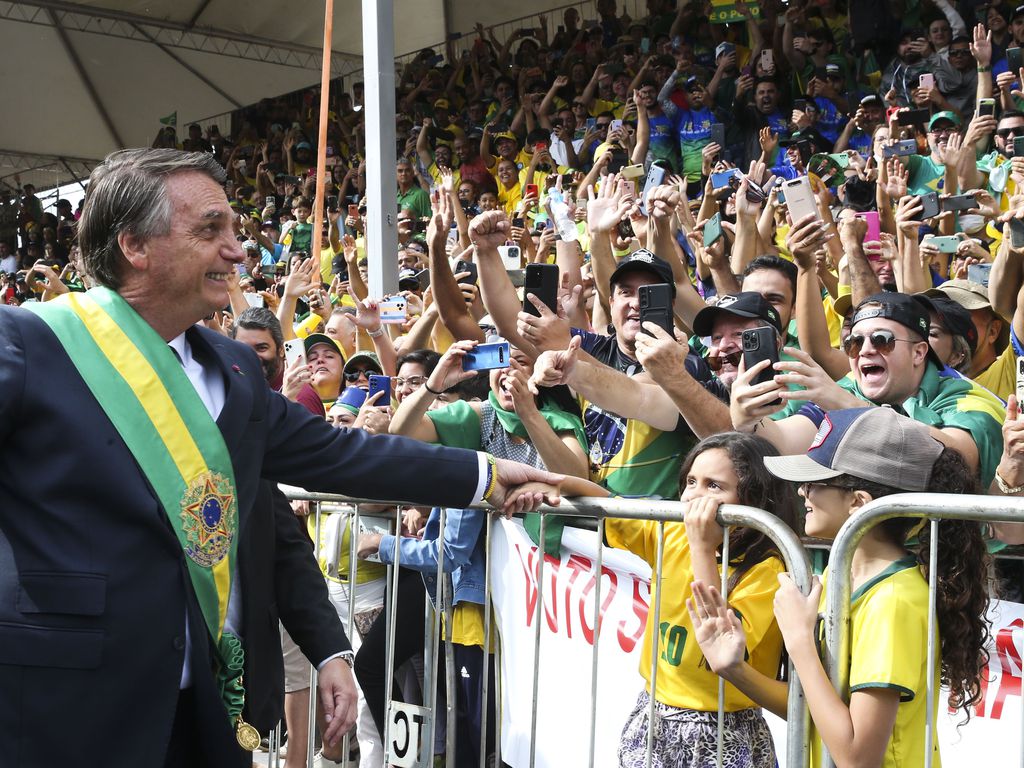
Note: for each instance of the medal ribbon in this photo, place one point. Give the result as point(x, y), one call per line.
point(142, 388)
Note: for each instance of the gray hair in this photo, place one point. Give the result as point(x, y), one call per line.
point(127, 193)
point(260, 319)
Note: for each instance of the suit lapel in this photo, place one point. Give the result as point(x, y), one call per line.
point(237, 397)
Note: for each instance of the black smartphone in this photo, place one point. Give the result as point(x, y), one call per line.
point(619, 159)
point(717, 135)
point(1014, 61)
point(930, 205)
point(1017, 235)
point(959, 203)
point(1018, 146)
point(656, 306)
point(542, 281)
point(761, 343)
point(913, 117)
point(332, 203)
point(423, 277)
point(466, 266)
point(800, 105)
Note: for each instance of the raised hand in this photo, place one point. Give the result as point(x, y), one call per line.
point(489, 230)
point(554, 368)
point(717, 628)
point(608, 207)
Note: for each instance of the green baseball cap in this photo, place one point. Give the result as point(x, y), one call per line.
point(944, 115)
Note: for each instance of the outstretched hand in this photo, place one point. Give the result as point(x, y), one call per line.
point(554, 368)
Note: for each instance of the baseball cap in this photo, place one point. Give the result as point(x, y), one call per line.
point(971, 296)
point(748, 304)
point(724, 48)
point(407, 280)
point(944, 115)
point(642, 260)
point(321, 338)
point(872, 100)
point(909, 311)
point(441, 104)
point(956, 319)
point(506, 135)
point(364, 357)
point(351, 399)
point(693, 82)
point(1018, 11)
point(832, 69)
point(862, 442)
point(303, 145)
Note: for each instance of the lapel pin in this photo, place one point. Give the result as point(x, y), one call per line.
point(238, 370)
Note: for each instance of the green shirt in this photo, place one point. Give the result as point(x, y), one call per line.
point(925, 175)
point(416, 200)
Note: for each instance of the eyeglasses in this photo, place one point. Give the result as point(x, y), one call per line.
point(884, 342)
point(412, 381)
point(715, 362)
point(959, 51)
point(1005, 133)
point(806, 488)
point(354, 375)
point(942, 131)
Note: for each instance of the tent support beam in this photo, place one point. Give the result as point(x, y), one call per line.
point(199, 12)
point(90, 87)
point(190, 69)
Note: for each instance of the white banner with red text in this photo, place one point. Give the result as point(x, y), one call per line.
point(564, 702)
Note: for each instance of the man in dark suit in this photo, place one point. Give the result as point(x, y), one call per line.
point(105, 654)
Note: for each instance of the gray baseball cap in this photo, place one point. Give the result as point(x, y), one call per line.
point(875, 444)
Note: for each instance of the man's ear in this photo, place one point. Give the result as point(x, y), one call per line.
point(133, 248)
point(921, 353)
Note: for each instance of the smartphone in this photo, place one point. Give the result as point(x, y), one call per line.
point(902, 148)
point(945, 243)
point(645, 45)
point(1020, 379)
point(959, 203)
point(332, 203)
point(392, 310)
point(913, 117)
point(767, 59)
point(655, 178)
point(253, 299)
point(1014, 61)
point(591, 123)
point(930, 205)
point(542, 281)
point(874, 233)
point(632, 171)
point(800, 198)
point(629, 187)
point(1018, 146)
point(353, 211)
point(800, 105)
point(293, 350)
point(466, 266)
point(717, 135)
point(987, 107)
point(618, 161)
point(1017, 234)
point(270, 202)
point(656, 306)
point(380, 384)
point(761, 343)
point(487, 357)
point(423, 277)
point(978, 273)
point(511, 256)
point(615, 125)
point(531, 189)
point(723, 179)
point(712, 229)
point(926, 80)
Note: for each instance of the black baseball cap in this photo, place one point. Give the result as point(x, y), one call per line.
point(642, 260)
point(1018, 11)
point(748, 304)
point(956, 319)
point(912, 312)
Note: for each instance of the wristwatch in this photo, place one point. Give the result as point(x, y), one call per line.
point(1009, 490)
point(349, 657)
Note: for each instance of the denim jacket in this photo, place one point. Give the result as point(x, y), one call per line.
point(464, 555)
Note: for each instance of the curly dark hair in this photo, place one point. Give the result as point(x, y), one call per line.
point(961, 600)
point(757, 488)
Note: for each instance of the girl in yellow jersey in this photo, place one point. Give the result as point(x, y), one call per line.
point(858, 455)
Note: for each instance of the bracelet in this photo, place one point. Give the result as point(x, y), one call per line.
point(1009, 490)
point(376, 334)
point(492, 477)
point(349, 657)
point(984, 69)
point(434, 392)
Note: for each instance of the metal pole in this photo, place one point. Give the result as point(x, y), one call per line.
point(933, 564)
point(451, 721)
point(539, 616)
point(598, 567)
point(353, 563)
point(379, 109)
point(485, 683)
point(389, 671)
point(721, 680)
point(655, 645)
point(311, 730)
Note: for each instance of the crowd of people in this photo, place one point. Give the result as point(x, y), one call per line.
point(777, 261)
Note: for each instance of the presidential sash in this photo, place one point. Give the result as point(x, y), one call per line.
point(141, 386)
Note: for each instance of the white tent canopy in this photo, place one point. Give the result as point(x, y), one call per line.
point(87, 78)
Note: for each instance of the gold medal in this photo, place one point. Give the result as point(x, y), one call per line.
point(248, 737)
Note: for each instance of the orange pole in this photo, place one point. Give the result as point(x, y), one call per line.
point(321, 149)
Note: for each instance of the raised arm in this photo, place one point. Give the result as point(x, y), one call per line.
point(451, 304)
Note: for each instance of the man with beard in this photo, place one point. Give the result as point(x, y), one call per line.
point(662, 145)
point(758, 110)
point(857, 132)
point(260, 330)
point(993, 171)
point(914, 56)
point(927, 171)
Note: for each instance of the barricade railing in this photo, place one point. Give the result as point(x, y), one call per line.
point(729, 516)
point(934, 507)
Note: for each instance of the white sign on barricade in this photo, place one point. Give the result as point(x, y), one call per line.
point(564, 701)
point(408, 738)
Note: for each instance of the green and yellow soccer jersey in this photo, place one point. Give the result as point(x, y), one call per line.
point(925, 175)
point(889, 649)
point(684, 680)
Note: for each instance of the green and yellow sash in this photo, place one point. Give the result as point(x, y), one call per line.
point(142, 388)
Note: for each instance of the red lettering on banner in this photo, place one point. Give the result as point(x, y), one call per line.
point(531, 582)
point(1010, 663)
point(586, 607)
point(551, 605)
point(640, 607)
point(577, 565)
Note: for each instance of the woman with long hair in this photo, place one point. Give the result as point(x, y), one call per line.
point(859, 455)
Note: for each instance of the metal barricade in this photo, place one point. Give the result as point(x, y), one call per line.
point(934, 507)
point(786, 541)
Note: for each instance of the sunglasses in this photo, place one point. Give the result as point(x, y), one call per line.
point(1005, 133)
point(884, 342)
point(715, 362)
point(354, 375)
point(959, 51)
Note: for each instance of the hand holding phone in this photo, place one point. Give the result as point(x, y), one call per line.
point(487, 357)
